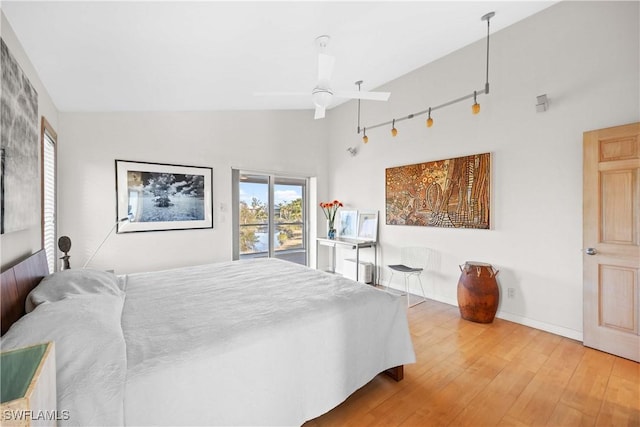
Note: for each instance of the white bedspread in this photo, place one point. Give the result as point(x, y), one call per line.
point(253, 342)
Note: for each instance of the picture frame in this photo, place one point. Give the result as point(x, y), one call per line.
point(161, 197)
point(368, 225)
point(348, 223)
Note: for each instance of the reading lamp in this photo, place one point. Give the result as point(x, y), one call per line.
point(120, 221)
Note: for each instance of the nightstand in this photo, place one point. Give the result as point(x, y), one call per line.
point(28, 386)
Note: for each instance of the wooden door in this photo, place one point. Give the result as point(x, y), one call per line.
point(612, 240)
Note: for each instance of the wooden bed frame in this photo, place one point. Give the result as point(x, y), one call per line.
point(16, 283)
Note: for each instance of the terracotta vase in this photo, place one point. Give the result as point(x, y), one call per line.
point(478, 293)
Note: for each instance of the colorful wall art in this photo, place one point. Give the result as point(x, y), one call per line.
point(452, 193)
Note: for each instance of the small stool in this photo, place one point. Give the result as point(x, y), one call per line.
point(408, 272)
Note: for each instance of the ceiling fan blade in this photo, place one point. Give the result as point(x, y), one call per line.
point(319, 113)
point(325, 66)
point(354, 94)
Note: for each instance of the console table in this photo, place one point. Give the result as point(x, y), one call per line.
point(352, 244)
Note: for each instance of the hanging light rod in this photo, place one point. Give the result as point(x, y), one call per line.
point(476, 107)
point(487, 17)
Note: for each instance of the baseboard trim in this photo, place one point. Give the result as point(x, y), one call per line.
point(536, 324)
point(547, 327)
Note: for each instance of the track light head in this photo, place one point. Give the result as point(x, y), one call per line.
point(429, 119)
point(475, 108)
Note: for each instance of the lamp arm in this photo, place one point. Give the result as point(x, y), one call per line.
point(103, 241)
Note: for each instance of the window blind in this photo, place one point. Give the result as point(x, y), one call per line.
point(49, 200)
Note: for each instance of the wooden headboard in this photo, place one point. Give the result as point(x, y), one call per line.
point(16, 283)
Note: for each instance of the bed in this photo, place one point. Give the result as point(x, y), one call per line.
point(250, 342)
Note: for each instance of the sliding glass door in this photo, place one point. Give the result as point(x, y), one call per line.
point(270, 216)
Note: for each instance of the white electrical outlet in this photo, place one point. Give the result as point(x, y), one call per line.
point(511, 293)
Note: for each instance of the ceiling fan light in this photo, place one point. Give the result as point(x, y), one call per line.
point(321, 97)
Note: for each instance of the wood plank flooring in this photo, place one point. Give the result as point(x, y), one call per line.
point(498, 374)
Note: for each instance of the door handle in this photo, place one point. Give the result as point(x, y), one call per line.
point(590, 251)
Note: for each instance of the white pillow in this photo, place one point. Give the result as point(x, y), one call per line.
point(66, 283)
point(90, 354)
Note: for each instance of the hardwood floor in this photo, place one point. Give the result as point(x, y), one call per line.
point(501, 374)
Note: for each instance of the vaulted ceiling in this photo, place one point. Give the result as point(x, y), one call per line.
point(214, 55)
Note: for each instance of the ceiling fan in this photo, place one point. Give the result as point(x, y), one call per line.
point(322, 93)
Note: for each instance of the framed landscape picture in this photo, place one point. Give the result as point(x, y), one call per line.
point(155, 196)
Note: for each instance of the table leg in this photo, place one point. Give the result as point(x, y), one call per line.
point(357, 262)
point(333, 256)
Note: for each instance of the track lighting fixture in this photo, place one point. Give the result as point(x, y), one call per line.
point(475, 108)
point(429, 119)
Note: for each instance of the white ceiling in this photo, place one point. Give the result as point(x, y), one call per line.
point(213, 55)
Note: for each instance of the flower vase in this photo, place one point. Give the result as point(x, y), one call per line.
point(331, 231)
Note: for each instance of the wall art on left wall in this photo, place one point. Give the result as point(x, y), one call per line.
point(155, 196)
point(19, 174)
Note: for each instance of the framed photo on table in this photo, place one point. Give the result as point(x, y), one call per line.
point(155, 196)
point(348, 223)
point(368, 225)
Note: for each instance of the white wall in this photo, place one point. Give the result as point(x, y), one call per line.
point(585, 56)
point(22, 243)
point(271, 141)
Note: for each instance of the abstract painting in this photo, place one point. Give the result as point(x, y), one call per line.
point(154, 196)
point(452, 193)
point(19, 174)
